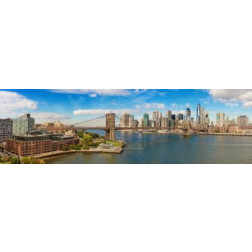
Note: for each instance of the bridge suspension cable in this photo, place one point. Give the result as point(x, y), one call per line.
point(88, 120)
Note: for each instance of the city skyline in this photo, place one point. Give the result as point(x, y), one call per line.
point(74, 105)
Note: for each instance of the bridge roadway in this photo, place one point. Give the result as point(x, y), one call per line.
point(128, 128)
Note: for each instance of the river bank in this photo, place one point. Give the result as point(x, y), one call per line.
point(116, 150)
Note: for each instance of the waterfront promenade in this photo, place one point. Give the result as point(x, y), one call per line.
point(116, 150)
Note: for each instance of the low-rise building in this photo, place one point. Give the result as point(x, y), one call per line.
point(233, 129)
point(223, 129)
point(38, 144)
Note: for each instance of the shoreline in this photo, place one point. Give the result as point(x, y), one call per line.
point(46, 155)
point(119, 150)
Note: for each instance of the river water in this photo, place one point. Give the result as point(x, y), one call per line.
point(169, 149)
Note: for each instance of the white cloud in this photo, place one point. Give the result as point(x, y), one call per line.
point(188, 105)
point(48, 116)
point(12, 102)
point(106, 92)
point(100, 111)
point(93, 95)
point(140, 91)
point(232, 97)
point(151, 106)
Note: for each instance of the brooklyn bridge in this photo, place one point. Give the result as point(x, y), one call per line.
point(111, 126)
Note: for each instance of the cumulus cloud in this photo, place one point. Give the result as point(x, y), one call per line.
point(100, 111)
point(105, 92)
point(232, 97)
point(93, 95)
point(49, 116)
point(140, 91)
point(11, 102)
point(151, 106)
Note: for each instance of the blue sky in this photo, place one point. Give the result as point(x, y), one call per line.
point(74, 105)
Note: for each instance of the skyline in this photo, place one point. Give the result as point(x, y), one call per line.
point(74, 105)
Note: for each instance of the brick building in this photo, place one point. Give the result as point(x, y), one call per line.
point(32, 145)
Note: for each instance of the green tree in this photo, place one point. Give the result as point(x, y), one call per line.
point(65, 148)
point(93, 135)
point(1, 160)
point(80, 134)
point(26, 160)
point(15, 160)
point(86, 140)
point(77, 147)
point(71, 147)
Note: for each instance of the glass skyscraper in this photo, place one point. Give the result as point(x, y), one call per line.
point(23, 125)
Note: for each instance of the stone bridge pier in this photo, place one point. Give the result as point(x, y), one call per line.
point(110, 126)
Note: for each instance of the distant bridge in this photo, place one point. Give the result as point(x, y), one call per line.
point(110, 126)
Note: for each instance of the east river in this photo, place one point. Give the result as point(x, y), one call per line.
point(169, 149)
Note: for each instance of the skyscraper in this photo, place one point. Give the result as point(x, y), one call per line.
point(180, 117)
point(207, 119)
point(125, 120)
point(220, 118)
point(198, 113)
point(202, 115)
point(145, 120)
point(164, 122)
point(169, 114)
point(188, 114)
point(242, 121)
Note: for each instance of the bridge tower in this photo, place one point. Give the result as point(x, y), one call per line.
point(187, 127)
point(110, 126)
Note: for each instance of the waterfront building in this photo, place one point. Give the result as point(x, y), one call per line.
point(164, 122)
point(140, 124)
point(168, 114)
point(242, 121)
point(188, 114)
point(232, 122)
point(233, 129)
point(172, 123)
point(211, 129)
point(23, 125)
point(157, 123)
point(198, 113)
point(145, 120)
point(180, 117)
point(226, 122)
point(220, 118)
point(38, 144)
point(125, 120)
point(173, 117)
point(132, 122)
point(136, 123)
point(202, 115)
point(5, 129)
point(156, 115)
point(207, 119)
point(223, 129)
